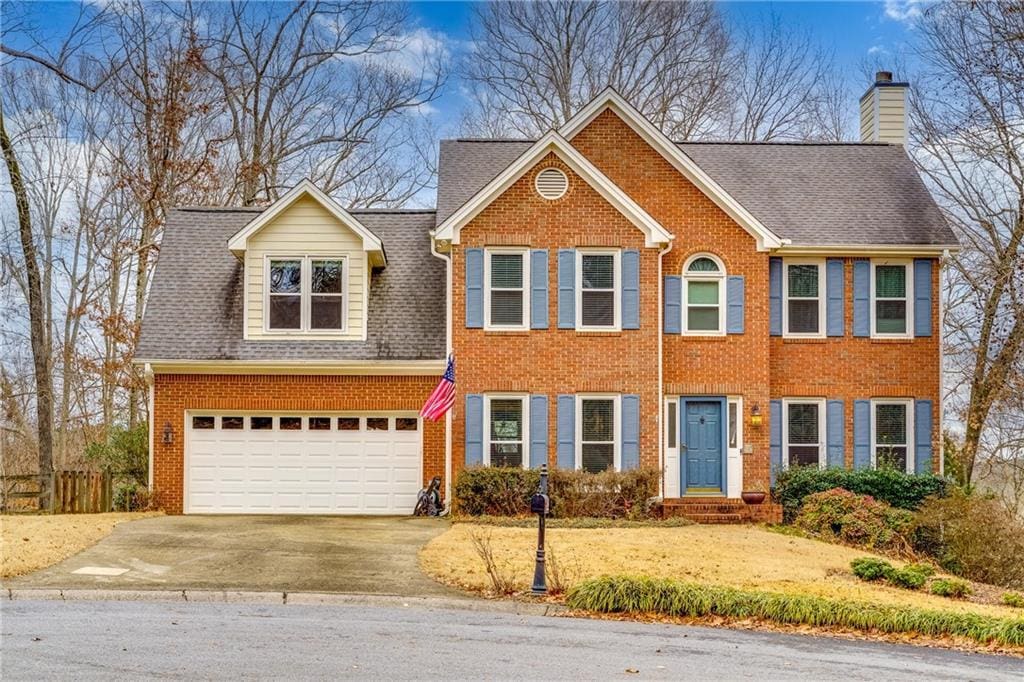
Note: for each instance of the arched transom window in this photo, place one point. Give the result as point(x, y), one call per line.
point(703, 295)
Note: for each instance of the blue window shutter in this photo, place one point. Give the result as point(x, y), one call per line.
point(631, 289)
point(475, 288)
point(861, 434)
point(538, 430)
point(630, 432)
point(539, 289)
point(835, 427)
point(923, 436)
point(734, 294)
point(474, 430)
point(861, 298)
point(923, 297)
point(775, 437)
point(566, 288)
point(775, 296)
point(673, 304)
point(566, 431)
point(835, 297)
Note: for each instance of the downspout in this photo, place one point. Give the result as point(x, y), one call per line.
point(942, 366)
point(661, 368)
point(147, 372)
point(448, 346)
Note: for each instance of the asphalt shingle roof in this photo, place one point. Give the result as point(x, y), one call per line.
point(194, 311)
point(810, 193)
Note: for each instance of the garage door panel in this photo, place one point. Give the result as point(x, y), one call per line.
point(340, 470)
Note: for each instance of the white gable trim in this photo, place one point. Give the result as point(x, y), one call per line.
point(609, 99)
point(553, 143)
point(371, 242)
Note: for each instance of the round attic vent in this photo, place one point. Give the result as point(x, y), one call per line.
point(551, 183)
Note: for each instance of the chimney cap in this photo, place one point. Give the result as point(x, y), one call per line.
point(883, 76)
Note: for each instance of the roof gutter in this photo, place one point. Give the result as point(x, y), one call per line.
point(323, 367)
point(935, 250)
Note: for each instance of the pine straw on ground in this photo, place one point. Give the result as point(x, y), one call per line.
point(29, 543)
point(744, 557)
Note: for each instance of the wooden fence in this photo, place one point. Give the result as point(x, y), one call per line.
point(74, 492)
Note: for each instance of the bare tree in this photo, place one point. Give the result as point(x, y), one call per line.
point(967, 134)
point(536, 64)
point(321, 89)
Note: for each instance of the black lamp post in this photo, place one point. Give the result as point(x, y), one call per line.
point(540, 505)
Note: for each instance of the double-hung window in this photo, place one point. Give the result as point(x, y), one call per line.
point(804, 309)
point(506, 300)
point(704, 294)
point(891, 429)
point(306, 294)
point(507, 427)
point(597, 442)
point(891, 303)
point(804, 431)
point(598, 283)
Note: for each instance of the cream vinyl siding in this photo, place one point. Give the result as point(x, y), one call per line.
point(305, 229)
point(889, 106)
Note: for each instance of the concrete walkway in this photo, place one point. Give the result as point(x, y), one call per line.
point(360, 555)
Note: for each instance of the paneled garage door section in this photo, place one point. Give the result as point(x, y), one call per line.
point(302, 464)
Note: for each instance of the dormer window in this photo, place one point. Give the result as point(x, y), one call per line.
point(306, 294)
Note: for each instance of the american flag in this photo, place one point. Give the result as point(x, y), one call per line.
point(443, 397)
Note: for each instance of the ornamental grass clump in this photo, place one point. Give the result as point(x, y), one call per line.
point(665, 596)
point(1014, 599)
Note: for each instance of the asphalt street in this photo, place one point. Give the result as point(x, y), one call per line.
point(143, 640)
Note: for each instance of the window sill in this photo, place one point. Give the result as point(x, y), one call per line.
point(595, 332)
point(508, 332)
point(805, 339)
point(713, 338)
point(893, 340)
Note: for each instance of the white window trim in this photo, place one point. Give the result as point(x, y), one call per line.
point(738, 402)
point(719, 277)
point(617, 289)
point(305, 293)
point(616, 399)
point(908, 293)
point(525, 253)
point(525, 399)
point(909, 404)
point(822, 429)
point(822, 296)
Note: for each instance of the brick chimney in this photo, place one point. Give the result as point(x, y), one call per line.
point(883, 111)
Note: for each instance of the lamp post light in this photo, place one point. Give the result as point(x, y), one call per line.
point(540, 504)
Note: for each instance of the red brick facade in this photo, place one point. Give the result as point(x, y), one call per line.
point(173, 394)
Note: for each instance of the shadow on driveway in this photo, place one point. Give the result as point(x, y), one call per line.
point(354, 554)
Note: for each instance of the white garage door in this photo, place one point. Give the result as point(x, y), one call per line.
point(302, 464)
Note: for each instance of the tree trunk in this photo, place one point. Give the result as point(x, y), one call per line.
point(37, 328)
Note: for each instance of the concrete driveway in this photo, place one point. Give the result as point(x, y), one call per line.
point(363, 555)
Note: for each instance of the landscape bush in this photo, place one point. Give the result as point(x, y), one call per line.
point(974, 537)
point(627, 594)
point(949, 587)
point(839, 515)
point(871, 569)
point(1014, 599)
point(506, 491)
point(911, 576)
point(895, 488)
point(124, 454)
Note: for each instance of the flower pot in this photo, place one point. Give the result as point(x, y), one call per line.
point(752, 497)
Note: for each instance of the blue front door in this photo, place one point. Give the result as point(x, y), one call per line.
point(702, 436)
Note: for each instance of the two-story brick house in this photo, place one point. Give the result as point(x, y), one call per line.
point(612, 299)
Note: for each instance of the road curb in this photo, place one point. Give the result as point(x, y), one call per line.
point(287, 598)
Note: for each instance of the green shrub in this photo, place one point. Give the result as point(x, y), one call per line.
point(1014, 599)
point(911, 576)
point(131, 497)
point(625, 594)
point(949, 587)
point(871, 569)
point(496, 491)
point(972, 536)
point(125, 454)
point(895, 488)
point(841, 516)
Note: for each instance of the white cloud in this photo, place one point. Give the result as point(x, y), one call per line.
point(416, 52)
point(906, 11)
point(877, 49)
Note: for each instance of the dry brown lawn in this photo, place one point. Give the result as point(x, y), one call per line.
point(737, 556)
point(29, 543)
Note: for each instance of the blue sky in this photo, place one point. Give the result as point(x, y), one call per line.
point(855, 31)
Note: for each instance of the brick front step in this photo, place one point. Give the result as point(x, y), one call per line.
point(720, 510)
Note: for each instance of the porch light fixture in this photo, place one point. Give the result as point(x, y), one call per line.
point(168, 433)
point(755, 415)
